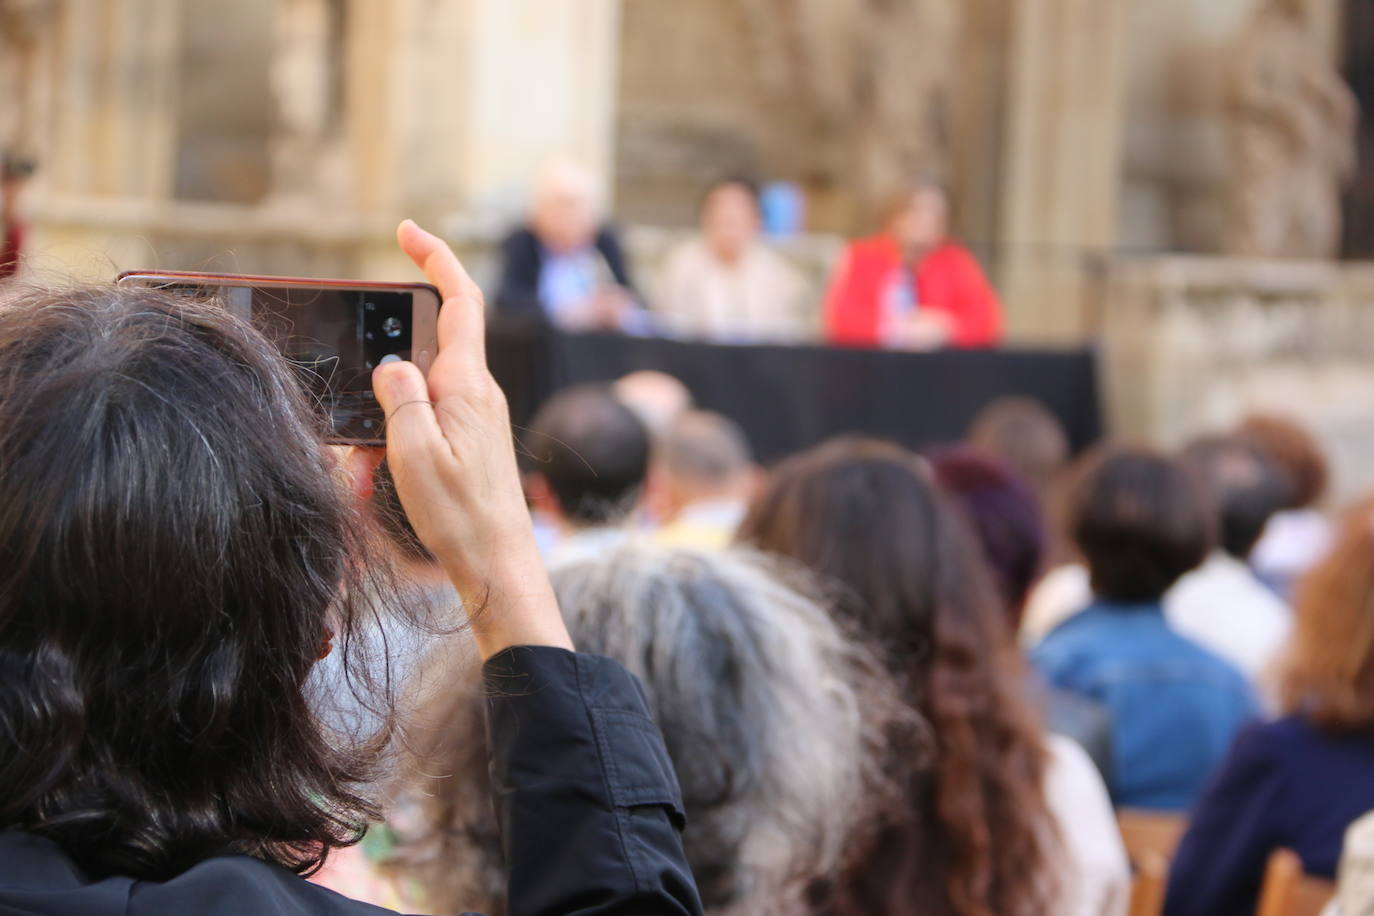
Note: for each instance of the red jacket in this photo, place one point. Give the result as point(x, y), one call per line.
point(948, 279)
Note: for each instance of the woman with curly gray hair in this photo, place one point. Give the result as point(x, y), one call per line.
point(773, 719)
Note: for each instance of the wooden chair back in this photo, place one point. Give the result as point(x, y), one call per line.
point(1150, 832)
point(1150, 838)
point(1148, 883)
point(1287, 891)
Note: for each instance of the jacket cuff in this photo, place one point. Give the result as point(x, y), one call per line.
point(553, 713)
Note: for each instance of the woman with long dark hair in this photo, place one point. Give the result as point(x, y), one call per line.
point(977, 836)
point(179, 551)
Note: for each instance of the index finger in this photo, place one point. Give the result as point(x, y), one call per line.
point(462, 316)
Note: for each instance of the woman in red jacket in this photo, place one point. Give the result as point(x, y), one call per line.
point(912, 287)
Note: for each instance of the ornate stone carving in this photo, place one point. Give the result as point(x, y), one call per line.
point(1291, 133)
point(21, 25)
point(22, 20)
point(862, 86)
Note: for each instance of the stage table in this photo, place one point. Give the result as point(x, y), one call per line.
point(789, 398)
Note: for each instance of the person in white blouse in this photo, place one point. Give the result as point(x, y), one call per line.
point(1222, 604)
point(726, 285)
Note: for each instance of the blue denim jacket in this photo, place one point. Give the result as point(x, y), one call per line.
point(1175, 706)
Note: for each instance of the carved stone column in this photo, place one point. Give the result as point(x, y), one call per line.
point(1061, 166)
point(483, 92)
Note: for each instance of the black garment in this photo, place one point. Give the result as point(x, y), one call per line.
point(588, 803)
point(522, 259)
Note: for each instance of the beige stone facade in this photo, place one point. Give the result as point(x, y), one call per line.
point(1084, 142)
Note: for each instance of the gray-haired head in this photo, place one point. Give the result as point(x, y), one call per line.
point(773, 719)
point(706, 449)
point(762, 702)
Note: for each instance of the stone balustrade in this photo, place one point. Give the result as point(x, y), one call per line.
point(1193, 343)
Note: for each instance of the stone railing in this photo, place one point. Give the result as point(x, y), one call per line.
point(1192, 343)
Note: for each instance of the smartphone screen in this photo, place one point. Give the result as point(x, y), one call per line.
point(334, 336)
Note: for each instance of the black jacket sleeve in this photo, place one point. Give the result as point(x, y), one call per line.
point(518, 294)
point(588, 803)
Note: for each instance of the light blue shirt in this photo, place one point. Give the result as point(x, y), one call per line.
point(568, 280)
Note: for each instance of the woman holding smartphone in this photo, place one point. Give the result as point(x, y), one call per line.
point(180, 551)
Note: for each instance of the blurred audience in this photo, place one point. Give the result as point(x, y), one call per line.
point(586, 461)
point(566, 267)
point(1299, 782)
point(389, 645)
point(769, 714)
point(1222, 605)
point(1022, 432)
point(1297, 536)
point(701, 479)
point(657, 398)
point(726, 285)
point(1010, 527)
point(1141, 521)
point(997, 818)
point(911, 287)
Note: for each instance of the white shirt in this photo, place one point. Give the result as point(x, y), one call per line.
point(759, 298)
point(1224, 607)
point(1061, 593)
point(1096, 878)
point(1293, 541)
point(587, 544)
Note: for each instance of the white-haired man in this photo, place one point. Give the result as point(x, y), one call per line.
point(565, 266)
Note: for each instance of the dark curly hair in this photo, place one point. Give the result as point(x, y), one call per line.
point(178, 554)
point(977, 837)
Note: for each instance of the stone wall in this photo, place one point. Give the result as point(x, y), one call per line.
point(1193, 343)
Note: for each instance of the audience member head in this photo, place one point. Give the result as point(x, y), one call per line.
point(865, 516)
point(765, 708)
point(1328, 675)
point(704, 457)
point(1141, 520)
point(1296, 452)
point(1023, 433)
point(760, 702)
point(657, 398)
point(566, 207)
point(917, 216)
point(1246, 488)
point(1006, 519)
point(731, 218)
point(178, 555)
point(590, 454)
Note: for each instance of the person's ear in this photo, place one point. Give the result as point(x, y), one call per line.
point(327, 646)
point(658, 500)
point(357, 465)
point(540, 495)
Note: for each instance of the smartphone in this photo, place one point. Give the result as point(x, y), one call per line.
point(335, 332)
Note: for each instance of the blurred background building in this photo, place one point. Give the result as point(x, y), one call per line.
point(1186, 181)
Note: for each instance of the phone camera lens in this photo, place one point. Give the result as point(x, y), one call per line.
point(392, 327)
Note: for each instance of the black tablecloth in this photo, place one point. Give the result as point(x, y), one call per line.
point(789, 398)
